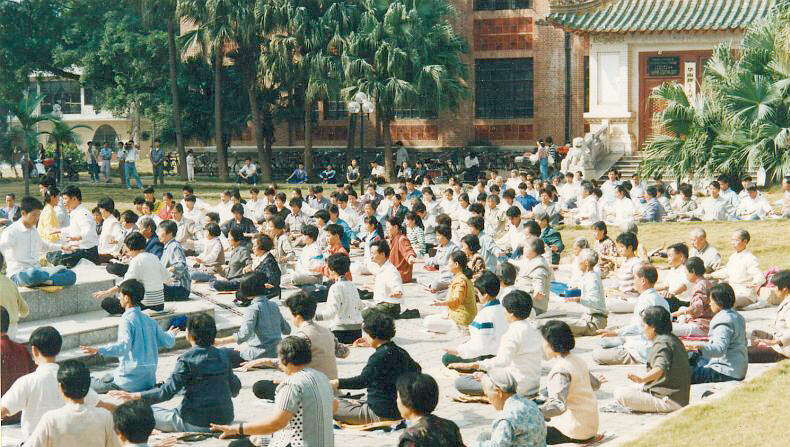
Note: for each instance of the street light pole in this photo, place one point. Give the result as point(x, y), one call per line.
point(360, 103)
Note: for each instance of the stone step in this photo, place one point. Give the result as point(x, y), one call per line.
point(72, 300)
point(97, 328)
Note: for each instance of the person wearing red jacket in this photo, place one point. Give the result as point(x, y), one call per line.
point(402, 255)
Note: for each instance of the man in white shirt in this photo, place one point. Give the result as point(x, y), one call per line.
point(376, 169)
point(753, 206)
point(254, 206)
point(193, 213)
point(715, 207)
point(674, 280)
point(22, 246)
point(308, 265)
point(700, 248)
point(388, 284)
point(224, 206)
point(587, 212)
point(248, 172)
point(568, 192)
point(37, 393)
point(75, 424)
point(130, 167)
point(608, 187)
point(742, 271)
point(81, 236)
point(637, 187)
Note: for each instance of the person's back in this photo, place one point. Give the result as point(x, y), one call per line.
point(431, 431)
point(75, 425)
point(731, 359)
point(526, 423)
point(309, 393)
point(322, 347)
point(263, 329)
point(580, 420)
point(15, 361)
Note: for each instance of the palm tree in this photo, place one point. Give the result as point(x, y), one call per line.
point(62, 133)
point(405, 54)
point(212, 19)
point(26, 129)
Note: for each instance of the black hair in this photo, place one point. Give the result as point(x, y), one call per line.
point(134, 420)
point(168, 195)
point(253, 285)
point(321, 214)
point(487, 283)
point(295, 202)
point(188, 188)
point(138, 200)
point(695, 265)
point(628, 239)
point(73, 192)
point(212, 216)
point(148, 223)
point(47, 340)
point(190, 198)
point(134, 289)
point(537, 245)
point(559, 336)
point(5, 320)
point(378, 325)
point(135, 241)
point(658, 318)
point(382, 247)
point(418, 391)
point(203, 329)
point(265, 242)
point(647, 272)
point(396, 222)
point(445, 231)
point(518, 303)
point(477, 222)
point(236, 234)
point(412, 215)
point(686, 189)
point(533, 227)
point(743, 235)
point(281, 197)
point(178, 208)
point(506, 272)
point(74, 379)
point(237, 208)
point(723, 295)
point(601, 226)
point(302, 305)
point(781, 279)
point(460, 258)
point(680, 248)
point(310, 231)
point(371, 220)
point(333, 209)
point(169, 226)
point(149, 190)
point(651, 191)
point(106, 204)
point(213, 229)
point(50, 192)
point(513, 211)
point(30, 203)
point(339, 263)
point(293, 350)
point(335, 230)
point(472, 241)
point(477, 208)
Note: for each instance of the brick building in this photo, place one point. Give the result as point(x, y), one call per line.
point(517, 81)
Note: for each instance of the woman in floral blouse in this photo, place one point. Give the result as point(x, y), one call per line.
point(605, 248)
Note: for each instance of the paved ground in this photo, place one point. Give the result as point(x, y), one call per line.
point(426, 348)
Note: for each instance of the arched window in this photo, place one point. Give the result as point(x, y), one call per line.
point(105, 134)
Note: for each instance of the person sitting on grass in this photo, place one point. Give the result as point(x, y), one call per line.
point(206, 376)
point(137, 348)
point(303, 403)
point(299, 175)
point(623, 301)
point(418, 395)
point(571, 405)
point(379, 375)
point(774, 346)
point(145, 268)
point(133, 423)
point(668, 380)
point(328, 175)
point(460, 301)
point(725, 356)
point(343, 306)
point(520, 422)
point(261, 328)
point(592, 297)
point(631, 347)
point(77, 423)
point(519, 351)
point(486, 329)
point(694, 320)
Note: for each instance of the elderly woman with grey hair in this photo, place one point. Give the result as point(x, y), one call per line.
point(592, 296)
point(535, 275)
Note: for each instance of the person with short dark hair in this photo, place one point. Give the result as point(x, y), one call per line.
point(418, 395)
point(379, 375)
point(388, 282)
point(668, 379)
point(439, 261)
point(262, 325)
point(519, 351)
point(239, 258)
point(694, 320)
point(774, 346)
point(239, 221)
point(22, 246)
point(623, 300)
point(402, 254)
point(205, 374)
point(137, 348)
point(248, 173)
point(629, 345)
point(299, 175)
point(460, 302)
point(133, 422)
point(303, 402)
point(77, 424)
point(343, 306)
point(16, 361)
point(308, 265)
point(725, 355)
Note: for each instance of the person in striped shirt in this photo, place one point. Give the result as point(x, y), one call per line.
point(415, 232)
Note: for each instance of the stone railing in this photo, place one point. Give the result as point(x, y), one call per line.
point(597, 145)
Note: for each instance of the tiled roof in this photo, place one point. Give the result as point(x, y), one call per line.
point(655, 16)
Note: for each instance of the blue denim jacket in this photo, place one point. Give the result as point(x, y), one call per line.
point(209, 384)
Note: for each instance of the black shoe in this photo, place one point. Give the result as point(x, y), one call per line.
point(409, 314)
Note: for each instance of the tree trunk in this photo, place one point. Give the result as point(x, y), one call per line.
point(350, 141)
point(264, 156)
point(267, 125)
point(25, 171)
point(219, 136)
point(308, 136)
point(389, 162)
point(173, 59)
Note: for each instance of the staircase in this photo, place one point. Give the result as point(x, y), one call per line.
point(627, 166)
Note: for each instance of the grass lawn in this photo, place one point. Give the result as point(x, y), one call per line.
point(755, 414)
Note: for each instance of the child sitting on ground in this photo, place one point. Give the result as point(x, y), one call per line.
point(592, 297)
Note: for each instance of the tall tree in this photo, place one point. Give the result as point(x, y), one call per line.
point(405, 53)
point(213, 30)
point(25, 130)
point(173, 57)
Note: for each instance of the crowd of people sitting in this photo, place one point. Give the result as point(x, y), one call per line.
point(491, 258)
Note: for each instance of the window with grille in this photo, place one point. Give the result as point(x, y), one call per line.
point(66, 93)
point(504, 88)
point(423, 108)
point(335, 110)
point(494, 5)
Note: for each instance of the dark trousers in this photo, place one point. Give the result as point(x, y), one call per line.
point(391, 309)
point(449, 358)
point(702, 373)
point(112, 306)
point(348, 336)
point(554, 436)
point(71, 259)
point(159, 173)
point(176, 293)
point(226, 285)
point(234, 356)
point(764, 355)
point(675, 304)
point(117, 269)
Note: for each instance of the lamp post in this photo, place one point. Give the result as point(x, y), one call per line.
point(58, 114)
point(360, 103)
